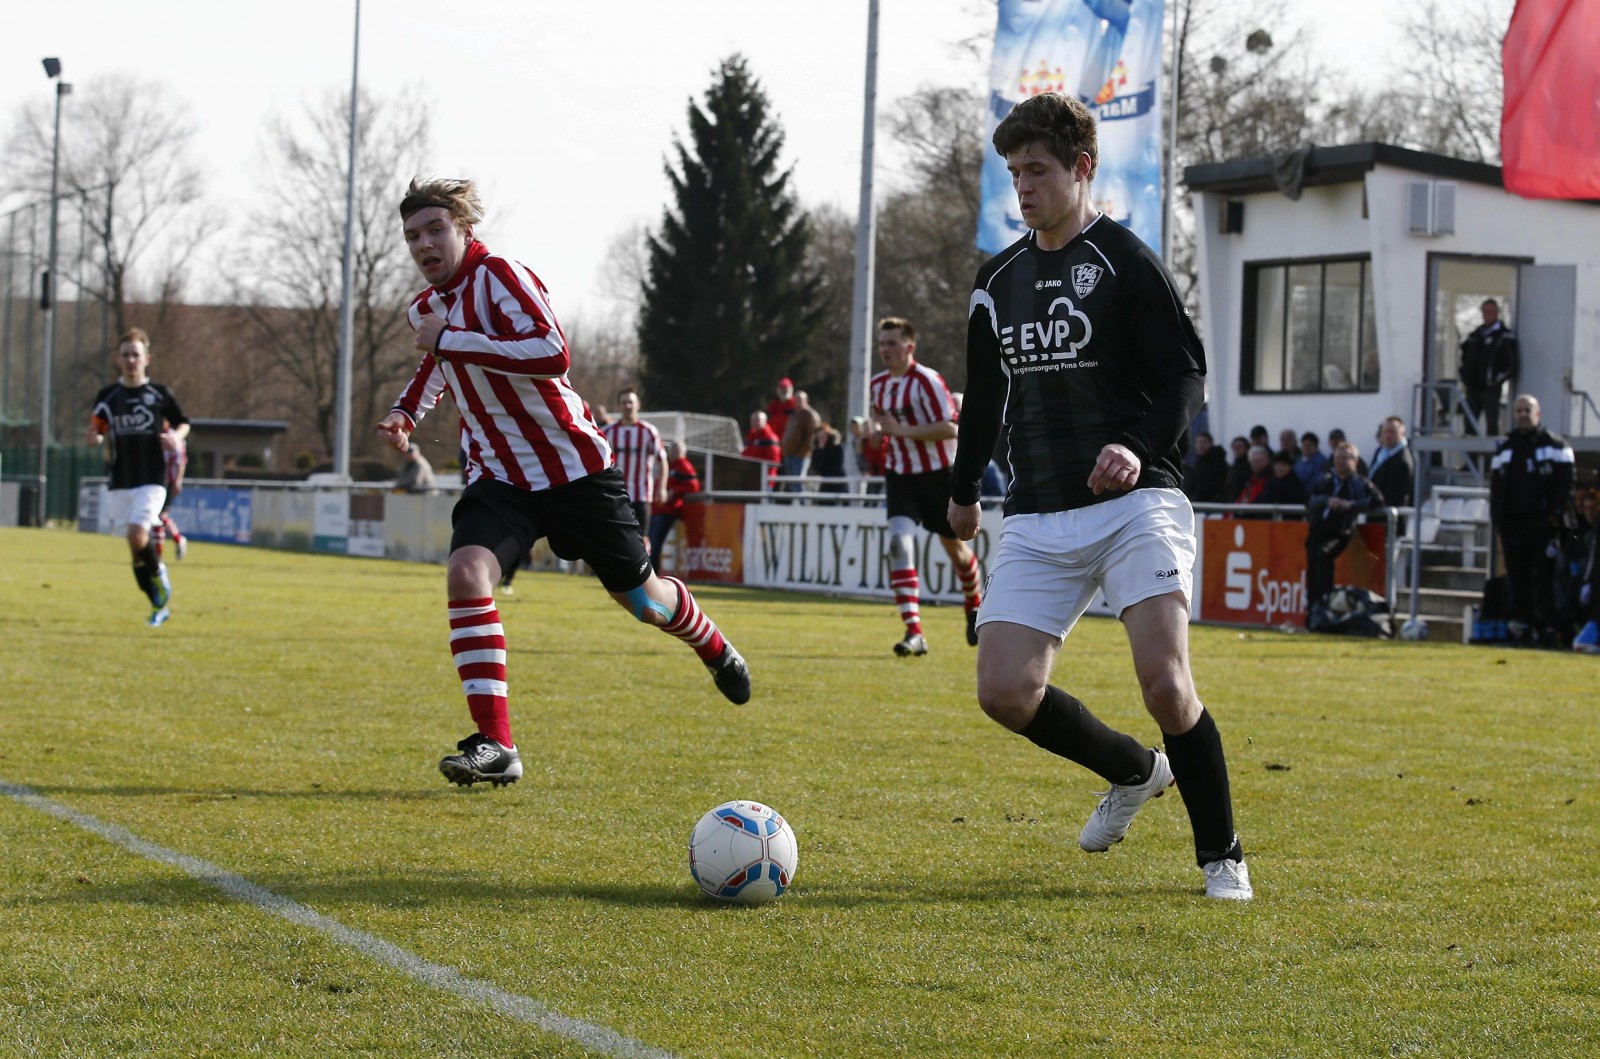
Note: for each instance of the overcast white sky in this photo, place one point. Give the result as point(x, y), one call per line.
point(563, 111)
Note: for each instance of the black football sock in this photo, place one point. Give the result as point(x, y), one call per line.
point(1065, 727)
point(145, 575)
point(1202, 775)
point(151, 560)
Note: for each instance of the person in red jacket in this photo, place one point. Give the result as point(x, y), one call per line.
point(682, 480)
point(780, 408)
point(762, 444)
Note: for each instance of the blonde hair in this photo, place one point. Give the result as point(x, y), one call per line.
point(135, 334)
point(458, 197)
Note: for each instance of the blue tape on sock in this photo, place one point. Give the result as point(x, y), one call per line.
point(640, 601)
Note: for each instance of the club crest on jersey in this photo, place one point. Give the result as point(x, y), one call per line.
point(1084, 277)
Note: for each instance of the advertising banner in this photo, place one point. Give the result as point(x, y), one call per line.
point(1254, 572)
point(707, 544)
point(1106, 53)
point(365, 530)
point(813, 548)
point(208, 514)
point(330, 522)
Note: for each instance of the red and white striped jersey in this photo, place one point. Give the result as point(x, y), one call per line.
point(917, 398)
point(636, 448)
point(504, 362)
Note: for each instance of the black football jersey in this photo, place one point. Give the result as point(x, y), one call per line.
point(1078, 348)
point(132, 418)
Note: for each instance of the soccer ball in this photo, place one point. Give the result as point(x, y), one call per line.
point(743, 852)
point(1414, 629)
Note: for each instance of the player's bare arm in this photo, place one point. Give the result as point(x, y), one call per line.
point(964, 519)
point(1117, 469)
point(428, 332)
point(395, 431)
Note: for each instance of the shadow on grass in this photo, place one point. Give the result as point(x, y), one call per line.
point(444, 889)
point(396, 794)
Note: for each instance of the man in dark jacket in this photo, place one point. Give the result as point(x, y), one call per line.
point(1530, 491)
point(1337, 500)
point(1489, 360)
point(1283, 486)
point(1393, 470)
point(1204, 481)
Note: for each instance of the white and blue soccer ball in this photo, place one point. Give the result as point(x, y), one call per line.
point(743, 853)
point(1414, 629)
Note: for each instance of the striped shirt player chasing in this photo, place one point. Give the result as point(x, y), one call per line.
point(911, 408)
point(536, 465)
point(145, 424)
point(1077, 334)
point(640, 457)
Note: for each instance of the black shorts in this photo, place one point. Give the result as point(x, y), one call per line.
point(923, 498)
point(641, 514)
point(590, 519)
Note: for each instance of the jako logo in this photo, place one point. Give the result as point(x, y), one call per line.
point(1043, 283)
point(1163, 574)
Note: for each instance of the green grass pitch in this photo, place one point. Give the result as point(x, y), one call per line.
point(1422, 823)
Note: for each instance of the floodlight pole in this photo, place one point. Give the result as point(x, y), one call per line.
point(52, 68)
point(866, 233)
point(341, 430)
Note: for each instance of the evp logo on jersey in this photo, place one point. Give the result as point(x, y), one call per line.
point(137, 421)
point(1045, 345)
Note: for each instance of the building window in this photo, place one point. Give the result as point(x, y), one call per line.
point(1309, 327)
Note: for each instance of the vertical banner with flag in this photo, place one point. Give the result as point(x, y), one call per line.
point(1106, 53)
point(1550, 123)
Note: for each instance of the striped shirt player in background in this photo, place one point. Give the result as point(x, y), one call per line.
point(636, 446)
point(144, 423)
point(536, 466)
point(912, 410)
point(1077, 334)
point(177, 460)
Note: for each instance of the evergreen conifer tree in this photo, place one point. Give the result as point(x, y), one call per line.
point(730, 302)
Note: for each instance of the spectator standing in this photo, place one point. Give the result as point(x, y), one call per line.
point(1489, 359)
point(537, 466)
point(760, 443)
point(911, 407)
point(781, 407)
point(1283, 485)
point(798, 438)
point(1337, 500)
point(1336, 437)
point(1258, 436)
point(682, 480)
point(1530, 492)
point(144, 423)
point(1204, 481)
point(1394, 472)
point(640, 456)
point(1310, 462)
point(827, 459)
point(416, 473)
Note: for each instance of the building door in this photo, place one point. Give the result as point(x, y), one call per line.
point(1547, 299)
point(1458, 287)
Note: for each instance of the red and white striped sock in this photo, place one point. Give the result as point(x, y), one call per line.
point(478, 642)
point(904, 584)
point(691, 625)
point(968, 576)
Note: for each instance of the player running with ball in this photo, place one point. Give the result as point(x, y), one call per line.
point(1077, 334)
point(537, 465)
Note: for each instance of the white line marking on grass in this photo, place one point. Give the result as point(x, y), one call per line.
point(594, 1037)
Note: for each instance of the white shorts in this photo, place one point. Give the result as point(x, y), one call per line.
point(139, 506)
point(1047, 567)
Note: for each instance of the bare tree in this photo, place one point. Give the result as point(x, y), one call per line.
point(127, 149)
point(286, 280)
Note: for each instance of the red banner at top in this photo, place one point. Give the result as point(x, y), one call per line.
point(1550, 124)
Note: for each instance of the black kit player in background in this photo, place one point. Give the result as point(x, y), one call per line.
point(1076, 332)
point(144, 422)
